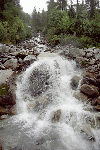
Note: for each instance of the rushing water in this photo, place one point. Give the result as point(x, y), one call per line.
point(42, 90)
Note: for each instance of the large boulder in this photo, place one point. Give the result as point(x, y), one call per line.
point(76, 52)
point(39, 80)
point(89, 90)
point(11, 63)
point(4, 75)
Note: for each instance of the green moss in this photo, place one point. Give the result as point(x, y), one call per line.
point(3, 89)
point(84, 63)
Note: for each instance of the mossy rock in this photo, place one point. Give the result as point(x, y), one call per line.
point(6, 95)
point(3, 89)
point(84, 63)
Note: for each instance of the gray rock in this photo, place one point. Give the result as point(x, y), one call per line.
point(92, 62)
point(80, 96)
point(89, 55)
point(97, 56)
point(87, 132)
point(12, 63)
point(4, 75)
point(75, 52)
point(20, 61)
point(75, 82)
point(2, 67)
point(39, 80)
point(2, 48)
point(30, 58)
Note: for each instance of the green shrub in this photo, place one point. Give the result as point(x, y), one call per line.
point(86, 41)
point(3, 89)
point(70, 39)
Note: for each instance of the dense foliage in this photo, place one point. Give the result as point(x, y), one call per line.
point(13, 22)
point(62, 23)
point(79, 23)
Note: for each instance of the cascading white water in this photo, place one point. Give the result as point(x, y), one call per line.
point(42, 90)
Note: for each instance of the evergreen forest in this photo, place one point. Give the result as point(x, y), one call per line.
point(63, 22)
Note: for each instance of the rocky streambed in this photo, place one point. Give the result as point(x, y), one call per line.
point(86, 88)
point(13, 61)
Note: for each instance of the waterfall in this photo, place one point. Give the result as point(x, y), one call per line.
point(49, 117)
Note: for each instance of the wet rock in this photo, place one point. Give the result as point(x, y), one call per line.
point(87, 133)
point(29, 58)
point(7, 91)
point(12, 110)
point(89, 75)
point(98, 82)
point(87, 80)
point(7, 99)
point(3, 111)
point(81, 96)
point(94, 102)
point(97, 107)
point(41, 141)
point(98, 100)
point(89, 90)
point(31, 106)
point(3, 117)
point(26, 62)
point(12, 63)
point(56, 116)
point(75, 82)
point(38, 80)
